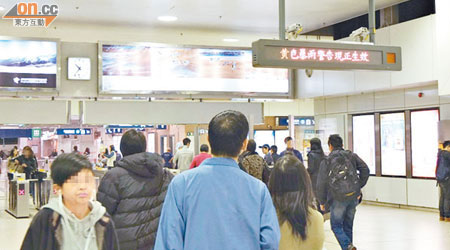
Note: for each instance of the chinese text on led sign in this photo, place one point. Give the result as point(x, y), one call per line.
point(324, 55)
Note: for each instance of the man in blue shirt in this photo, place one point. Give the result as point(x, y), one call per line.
point(218, 206)
point(290, 149)
point(168, 156)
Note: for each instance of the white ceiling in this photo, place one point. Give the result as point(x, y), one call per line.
point(239, 15)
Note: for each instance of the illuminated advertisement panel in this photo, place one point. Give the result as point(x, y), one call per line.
point(364, 139)
point(424, 142)
point(393, 152)
point(28, 65)
point(141, 69)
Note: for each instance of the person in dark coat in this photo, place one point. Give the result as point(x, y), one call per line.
point(27, 161)
point(315, 157)
point(134, 191)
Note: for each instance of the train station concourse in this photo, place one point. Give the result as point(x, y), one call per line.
point(225, 125)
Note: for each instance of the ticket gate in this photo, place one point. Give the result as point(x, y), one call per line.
point(19, 198)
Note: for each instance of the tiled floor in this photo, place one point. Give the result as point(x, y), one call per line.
point(376, 228)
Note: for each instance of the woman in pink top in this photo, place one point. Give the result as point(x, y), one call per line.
point(204, 149)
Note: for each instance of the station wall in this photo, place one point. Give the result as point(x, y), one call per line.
point(419, 50)
point(332, 113)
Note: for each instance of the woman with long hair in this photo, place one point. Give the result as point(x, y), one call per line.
point(12, 159)
point(301, 225)
point(27, 161)
point(315, 158)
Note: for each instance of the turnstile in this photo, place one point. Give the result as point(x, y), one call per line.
point(19, 198)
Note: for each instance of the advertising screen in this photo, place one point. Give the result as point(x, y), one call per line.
point(143, 69)
point(393, 152)
point(364, 139)
point(424, 142)
point(26, 64)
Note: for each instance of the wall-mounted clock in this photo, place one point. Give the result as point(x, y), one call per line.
point(79, 68)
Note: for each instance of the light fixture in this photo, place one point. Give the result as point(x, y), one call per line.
point(230, 40)
point(167, 18)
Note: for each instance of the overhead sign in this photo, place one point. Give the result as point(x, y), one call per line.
point(74, 131)
point(325, 55)
point(36, 133)
point(114, 131)
point(298, 121)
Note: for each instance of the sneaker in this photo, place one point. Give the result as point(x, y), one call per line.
point(351, 247)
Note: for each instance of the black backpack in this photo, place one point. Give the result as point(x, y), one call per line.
point(343, 178)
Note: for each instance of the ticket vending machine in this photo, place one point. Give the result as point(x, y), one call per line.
point(19, 198)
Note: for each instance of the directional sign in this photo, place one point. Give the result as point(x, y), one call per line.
point(114, 131)
point(74, 131)
point(325, 55)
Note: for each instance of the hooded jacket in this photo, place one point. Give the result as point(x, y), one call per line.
point(133, 193)
point(55, 227)
point(315, 158)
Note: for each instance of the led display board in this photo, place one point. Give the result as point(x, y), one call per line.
point(164, 69)
point(28, 64)
point(325, 55)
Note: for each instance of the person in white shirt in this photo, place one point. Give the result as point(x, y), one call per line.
point(184, 156)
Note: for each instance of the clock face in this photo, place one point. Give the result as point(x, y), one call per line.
point(79, 68)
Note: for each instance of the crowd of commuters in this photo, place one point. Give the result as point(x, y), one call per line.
point(229, 199)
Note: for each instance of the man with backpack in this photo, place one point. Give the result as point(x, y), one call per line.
point(341, 176)
point(443, 179)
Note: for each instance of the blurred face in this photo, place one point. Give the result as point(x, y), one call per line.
point(79, 188)
point(272, 152)
point(290, 144)
point(265, 150)
point(27, 153)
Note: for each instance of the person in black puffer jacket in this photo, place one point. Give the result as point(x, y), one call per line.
point(134, 191)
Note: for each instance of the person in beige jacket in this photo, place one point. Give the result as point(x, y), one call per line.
point(301, 225)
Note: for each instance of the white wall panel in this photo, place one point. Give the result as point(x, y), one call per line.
point(416, 39)
point(34, 112)
point(338, 82)
point(390, 100)
point(361, 103)
point(319, 106)
point(423, 193)
point(443, 48)
point(336, 105)
point(385, 189)
point(445, 112)
point(372, 80)
point(430, 97)
point(309, 86)
point(123, 112)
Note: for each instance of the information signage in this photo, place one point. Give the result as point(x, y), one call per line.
point(325, 55)
point(298, 121)
point(114, 131)
point(74, 131)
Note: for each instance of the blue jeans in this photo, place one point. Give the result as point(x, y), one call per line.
point(342, 216)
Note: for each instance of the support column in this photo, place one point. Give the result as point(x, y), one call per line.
point(372, 22)
point(196, 141)
point(291, 126)
point(251, 126)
